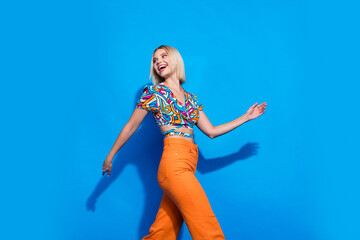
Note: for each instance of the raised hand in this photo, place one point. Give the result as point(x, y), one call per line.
point(255, 111)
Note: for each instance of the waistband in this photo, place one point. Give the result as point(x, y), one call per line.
point(184, 134)
point(179, 141)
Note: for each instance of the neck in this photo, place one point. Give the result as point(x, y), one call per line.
point(173, 82)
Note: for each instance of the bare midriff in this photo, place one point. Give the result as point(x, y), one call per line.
point(165, 128)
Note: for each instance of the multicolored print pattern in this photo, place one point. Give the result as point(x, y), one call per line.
point(167, 110)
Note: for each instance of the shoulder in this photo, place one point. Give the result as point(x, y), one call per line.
point(158, 86)
point(149, 88)
point(159, 89)
point(192, 96)
point(152, 89)
point(194, 101)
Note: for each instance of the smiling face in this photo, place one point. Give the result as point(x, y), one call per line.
point(162, 63)
point(166, 62)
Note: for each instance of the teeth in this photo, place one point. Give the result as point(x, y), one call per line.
point(161, 67)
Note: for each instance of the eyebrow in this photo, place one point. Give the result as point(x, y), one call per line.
point(160, 55)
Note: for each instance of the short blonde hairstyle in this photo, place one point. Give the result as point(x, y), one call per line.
point(177, 65)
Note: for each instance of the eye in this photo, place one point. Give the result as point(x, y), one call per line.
point(164, 55)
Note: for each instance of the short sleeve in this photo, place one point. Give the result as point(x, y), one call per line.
point(147, 100)
point(197, 104)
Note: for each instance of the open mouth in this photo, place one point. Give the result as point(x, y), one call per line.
point(162, 67)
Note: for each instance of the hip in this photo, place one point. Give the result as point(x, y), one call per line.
point(179, 156)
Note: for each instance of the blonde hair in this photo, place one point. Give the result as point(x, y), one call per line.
point(177, 65)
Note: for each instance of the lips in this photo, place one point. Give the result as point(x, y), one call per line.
point(162, 67)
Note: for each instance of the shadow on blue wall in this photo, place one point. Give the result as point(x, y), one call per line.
point(144, 150)
point(212, 164)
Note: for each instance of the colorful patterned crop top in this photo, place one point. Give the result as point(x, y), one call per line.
point(167, 110)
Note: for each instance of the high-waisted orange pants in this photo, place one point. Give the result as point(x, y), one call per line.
point(183, 197)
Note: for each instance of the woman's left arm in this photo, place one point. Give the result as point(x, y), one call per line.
point(211, 131)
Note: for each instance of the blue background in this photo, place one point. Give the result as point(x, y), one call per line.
point(72, 71)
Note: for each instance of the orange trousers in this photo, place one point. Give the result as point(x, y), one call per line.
point(183, 199)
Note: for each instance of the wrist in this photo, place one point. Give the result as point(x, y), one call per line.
point(246, 118)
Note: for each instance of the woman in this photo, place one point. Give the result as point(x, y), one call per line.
point(176, 111)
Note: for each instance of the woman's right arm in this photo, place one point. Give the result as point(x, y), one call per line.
point(129, 129)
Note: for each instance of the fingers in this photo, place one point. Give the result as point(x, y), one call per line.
point(108, 172)
point(106, 168)
point(262, 107)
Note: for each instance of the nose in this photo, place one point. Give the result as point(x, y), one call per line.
point(158, 62)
